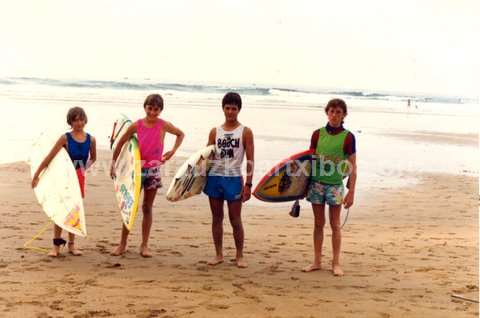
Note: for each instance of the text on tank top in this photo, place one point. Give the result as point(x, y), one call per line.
point(229, 152)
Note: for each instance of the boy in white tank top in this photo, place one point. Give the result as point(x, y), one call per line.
point(225, 182)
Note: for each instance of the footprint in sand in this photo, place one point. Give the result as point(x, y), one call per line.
point(216, 307)
point(97, 313)
point(46, 260)
point(208, 288)
point(379, 300)
point(145, 281)
point(239, 293)
point(239, 286)
point(202, 268)
point(56, 305)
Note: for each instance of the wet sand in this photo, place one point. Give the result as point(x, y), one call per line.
point(405, 252)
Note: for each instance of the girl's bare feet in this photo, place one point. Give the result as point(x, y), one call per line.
point(144, 251)
point(72, 250)
point(241, 263)
point(55, 252)
point(337, 270)
point(119, 250)
point(57, 243)
point(215, 261)
point(311, 268)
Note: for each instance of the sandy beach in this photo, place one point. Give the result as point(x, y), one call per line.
point(405, 252)
point(406, 71)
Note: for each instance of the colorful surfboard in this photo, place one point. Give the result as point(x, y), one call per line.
point(128, 169)
point(287, 180)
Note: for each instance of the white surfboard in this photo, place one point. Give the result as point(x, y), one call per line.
point(191, 177)
point(58, 191)
point(128, 169)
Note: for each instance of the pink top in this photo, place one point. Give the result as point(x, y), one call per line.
point(151, 147)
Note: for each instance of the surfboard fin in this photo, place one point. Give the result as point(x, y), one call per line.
point(295, 210)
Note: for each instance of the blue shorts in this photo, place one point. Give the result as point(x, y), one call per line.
point(226, 188)
point(331, 194)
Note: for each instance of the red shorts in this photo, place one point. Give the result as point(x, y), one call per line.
point(81, 181)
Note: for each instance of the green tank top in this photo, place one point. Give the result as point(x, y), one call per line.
point(330, 164)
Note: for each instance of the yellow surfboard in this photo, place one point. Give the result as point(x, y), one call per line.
point(287, 180)
point(128, 169)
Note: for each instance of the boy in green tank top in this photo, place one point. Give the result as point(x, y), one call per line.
point(335, 159)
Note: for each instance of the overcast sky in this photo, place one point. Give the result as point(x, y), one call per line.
point(408, 46)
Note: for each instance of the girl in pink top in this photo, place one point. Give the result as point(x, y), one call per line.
point(151, 132)
point(151, 144)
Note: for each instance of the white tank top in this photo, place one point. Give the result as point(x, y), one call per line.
point(229, 153)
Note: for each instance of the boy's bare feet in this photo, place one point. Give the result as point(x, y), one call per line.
point(241, 263)
point(144, 251)
point(311, 268)
point(337, 270)
point(72, 250)
point(217, 260)
point(119, 250)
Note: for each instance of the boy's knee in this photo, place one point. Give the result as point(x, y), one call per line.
point(236, 223)
point(335, 226)
point(217, 219)
point(319, 225)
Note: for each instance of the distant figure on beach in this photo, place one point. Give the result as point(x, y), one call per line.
point(335, 151)
point(232, 142)
point(408, 103)
point(81, 147)
point(151, 131)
